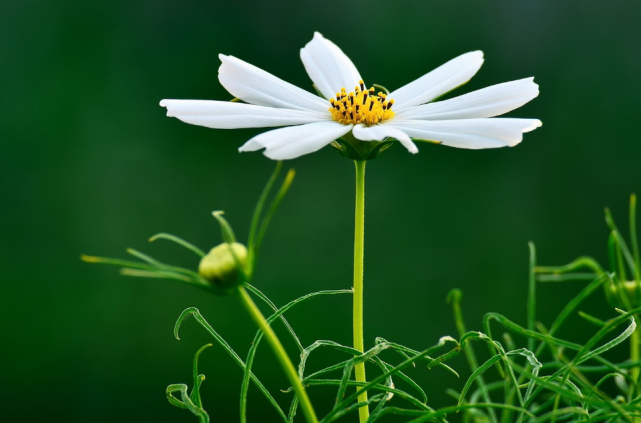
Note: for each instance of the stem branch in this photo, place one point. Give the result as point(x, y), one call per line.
point(281, 354)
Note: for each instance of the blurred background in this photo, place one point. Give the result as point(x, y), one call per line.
point(90, 164)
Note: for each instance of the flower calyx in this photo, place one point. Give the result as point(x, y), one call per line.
point(355, 149)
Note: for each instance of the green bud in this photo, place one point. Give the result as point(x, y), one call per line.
point(624, 295)
point(220, 267)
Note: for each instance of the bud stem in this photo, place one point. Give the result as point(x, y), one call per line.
point(634, 357)
point(280, 353)
point(359, 232)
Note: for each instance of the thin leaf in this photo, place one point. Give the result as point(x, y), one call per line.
point(594, 320)
point(619, 239)
point(162, 266)
point(195, 393)
point(289, 178)
point(579, 263)
point(574, 303)
point(397, 392)
point(478, 372)
point(531, 304)
point(178, 241)
point(158, 274)
point(258, 337)
point(454, 297)
point(633, 238)
point(345, 402)
point(611, 344)
point(258, 211)
point(225, 227)
point(566, 277)
point(442, 412)
point(192, 311)
point(185, 402)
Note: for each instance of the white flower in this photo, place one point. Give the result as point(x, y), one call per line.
point(312, 122)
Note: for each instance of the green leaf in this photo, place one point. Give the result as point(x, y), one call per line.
point(163, 266)
point(531, 303)
point(225, 227)
point(192, 311)
point(267, 301)
point(454, 297)
point(478, 372)
point(198, 379)
point(443, 412)
point(132, 268)
point(619, 240)
point(259, 335)
point(633, 237)
point(576, 301)
point(258, 211)
point(289, 178)
point(594, 320)
point(185, 401)
point(609, 345)
point(579, 263)
point(346, 401)
point(178, 241)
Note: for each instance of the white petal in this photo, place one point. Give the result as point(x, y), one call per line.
point(470, 133)
point(441, 80)
point(229, 115)
point(380, 132)
point(254, 85)
point(295, 141)
point(487, 102)
point(328, 67)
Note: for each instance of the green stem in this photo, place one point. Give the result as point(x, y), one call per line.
point(281, 354)
point(634, 356)
point(359, 230)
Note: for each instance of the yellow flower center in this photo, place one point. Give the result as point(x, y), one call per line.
point(361, 106)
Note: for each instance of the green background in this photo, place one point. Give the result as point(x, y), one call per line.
point(90, 164)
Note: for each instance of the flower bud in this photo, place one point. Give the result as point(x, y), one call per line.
point(624, 295)
point(220, 267)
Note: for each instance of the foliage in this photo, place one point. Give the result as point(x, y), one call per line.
point(565, 386)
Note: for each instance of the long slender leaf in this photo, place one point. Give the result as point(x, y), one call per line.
point(442, 412)
point(225, 227)
point(620, 241)
point(163, 266)
point(178, 241)
point(258, 211)
point(634, 239)
point(195, 393)
point(192, 311)
point(259, 335)
point(345, 402)
point(289, 178)
point(185, 402)
point(269, 302)
point(478, 372)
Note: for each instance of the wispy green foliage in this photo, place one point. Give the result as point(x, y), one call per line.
point(513, 384)
point(191, 402)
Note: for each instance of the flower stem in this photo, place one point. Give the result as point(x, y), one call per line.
point(634, 357)
point(281, 355)
point(359, 230)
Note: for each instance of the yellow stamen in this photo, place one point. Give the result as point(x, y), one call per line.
point(346, 108)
